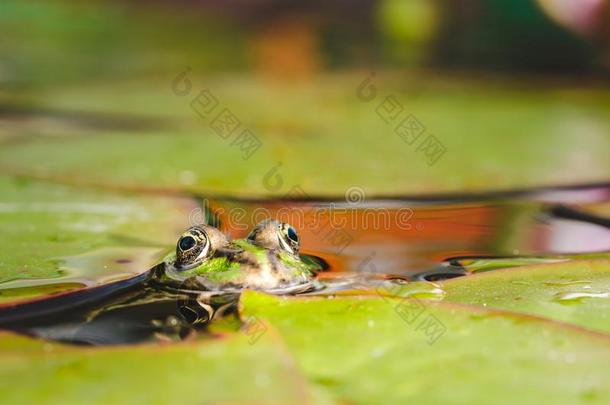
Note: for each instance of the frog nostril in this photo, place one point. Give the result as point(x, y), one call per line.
point(186, 243)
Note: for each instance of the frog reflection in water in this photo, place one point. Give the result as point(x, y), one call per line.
point(201, 281)
point(268, 260)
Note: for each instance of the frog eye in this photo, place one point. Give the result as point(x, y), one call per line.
point(186, 243)
point(192, 248)
point(273, 234)
point(289, 239)
point(292, 234)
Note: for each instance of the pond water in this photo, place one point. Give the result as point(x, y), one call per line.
point(393, 246)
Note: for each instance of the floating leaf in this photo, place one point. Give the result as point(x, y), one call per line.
point(341, 141)
point(55, 237)
point(373, 350)
point(574, 291)
point(228, 370)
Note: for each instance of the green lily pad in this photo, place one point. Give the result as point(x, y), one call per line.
point(55, 238)
point(575, 291)
point(538, 137)
point(226, 371)
point(372, 350)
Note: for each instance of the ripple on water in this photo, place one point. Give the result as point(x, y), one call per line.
point(382, 286)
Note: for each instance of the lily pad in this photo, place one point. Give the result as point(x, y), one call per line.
point(55, 237)
point(373, 350)
point(229, 370)
point(360, 148)
point(576, 291)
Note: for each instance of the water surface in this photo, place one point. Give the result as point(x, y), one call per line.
point(364, 246)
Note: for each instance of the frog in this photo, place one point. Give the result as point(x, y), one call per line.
point(268, 259)
point(201, 280)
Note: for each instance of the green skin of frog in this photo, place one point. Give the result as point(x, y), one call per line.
point(267, 260)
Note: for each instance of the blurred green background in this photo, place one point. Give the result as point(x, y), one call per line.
point(514, 92)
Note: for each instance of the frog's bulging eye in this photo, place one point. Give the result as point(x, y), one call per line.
point(186, 243)
point(289, 239)
point(292, 234)
point(273, 234)
point(193, 248)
